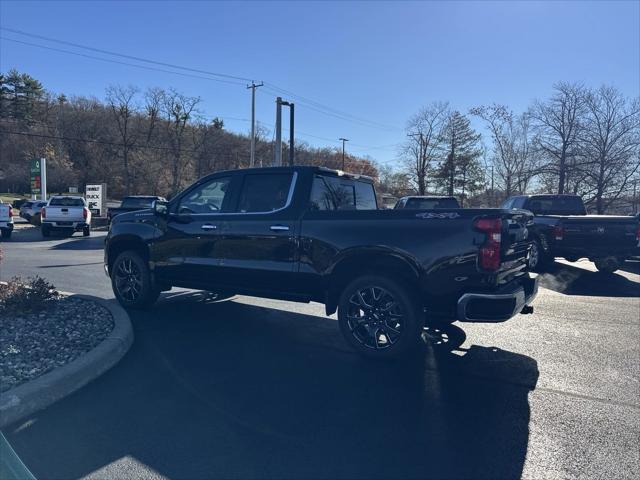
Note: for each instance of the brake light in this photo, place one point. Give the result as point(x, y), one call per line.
point(558, 232)
point(43, 212)
point(85, 213)
point(638, 233)
point(490, 249)
point(10, 212)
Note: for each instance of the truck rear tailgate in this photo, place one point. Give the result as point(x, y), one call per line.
point(598, 232)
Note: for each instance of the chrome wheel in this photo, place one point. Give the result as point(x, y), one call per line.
point(128, 280)
point(375, 318)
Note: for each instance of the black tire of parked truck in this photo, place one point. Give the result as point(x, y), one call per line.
point(608, 264)
point(86, 231)
point(380, 317)
point(6, 234)
point(538, 258)
point(132, 282)
point(45, 231)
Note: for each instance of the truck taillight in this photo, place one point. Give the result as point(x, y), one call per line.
point(10, 212)
point(43, 213)
point(638, 233)
point(558, 232)
point(490, 249)
point(85, 213)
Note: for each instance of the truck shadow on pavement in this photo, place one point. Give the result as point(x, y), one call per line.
point(80, 243)
point(573, 280)
point(222, 389)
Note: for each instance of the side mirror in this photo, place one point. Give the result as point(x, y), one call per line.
point(161, 207)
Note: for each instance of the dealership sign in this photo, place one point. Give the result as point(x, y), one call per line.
point(96, 196)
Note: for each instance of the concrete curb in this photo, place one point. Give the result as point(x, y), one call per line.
point(39, 393)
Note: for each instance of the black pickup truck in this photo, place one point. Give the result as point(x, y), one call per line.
point(313, 234)
point(562, 228)
point(131, 204)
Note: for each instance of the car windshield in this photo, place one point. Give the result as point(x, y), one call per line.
point(137, 202)
point(66, 202)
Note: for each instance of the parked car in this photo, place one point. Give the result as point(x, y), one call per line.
point(31, 209)
point(66, 214)
point(562, 228)
point(313, 234)
point(427, 202)
point(6, 220)
point(131, 204)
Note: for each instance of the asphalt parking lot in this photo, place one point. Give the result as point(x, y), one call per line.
point(252, 388)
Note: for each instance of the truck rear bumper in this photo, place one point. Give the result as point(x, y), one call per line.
point(62, 225)
point(6, 226)
point(499, 306)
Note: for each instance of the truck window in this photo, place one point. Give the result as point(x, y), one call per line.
point(332, 193)
point(365, 196)
point(264, 192)
point(207, 198)
point(431, 203)
point(66, 202)
point(137, 202)
point(507, 203)
point(556, 205)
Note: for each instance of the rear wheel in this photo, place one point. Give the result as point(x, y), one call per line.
point(537, 256)
point(45, 231)
point(86, 231)
point(607, 264)
point(6, 234)
point(380, 317)
point(131, 281)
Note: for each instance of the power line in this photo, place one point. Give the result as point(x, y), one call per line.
point(108, 60)
point(311, 104)
point(130, 57)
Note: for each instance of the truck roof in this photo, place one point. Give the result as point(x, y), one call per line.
point(296, 168)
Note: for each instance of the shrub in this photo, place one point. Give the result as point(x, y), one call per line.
point(26, 296)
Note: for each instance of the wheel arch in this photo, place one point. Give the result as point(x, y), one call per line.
point(123, 243)
point(374, 261)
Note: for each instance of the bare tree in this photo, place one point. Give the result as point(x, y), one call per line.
point(558, 123)
point(425, 142)
point(121, 102)
point(512, 156)
point(611, 141)
point(178, 109)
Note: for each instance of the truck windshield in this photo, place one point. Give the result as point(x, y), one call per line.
point(137, 203)
point(66, 202)
point(556, 205)
point(430, 203)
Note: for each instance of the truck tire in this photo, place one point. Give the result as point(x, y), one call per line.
point(86, 231)
point(538, 259)
point(45, 231)
point(607, 264)
point(6, 234)
point(132, 282)
point(380, 317)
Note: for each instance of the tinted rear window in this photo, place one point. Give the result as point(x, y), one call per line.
point(431, 203)
point(338, 193)
point(137, 202)
point(66, 202)
point(556, 206)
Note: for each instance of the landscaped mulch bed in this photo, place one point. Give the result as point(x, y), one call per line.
point(32, 344)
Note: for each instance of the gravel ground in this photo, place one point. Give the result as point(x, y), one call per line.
point(35, 343)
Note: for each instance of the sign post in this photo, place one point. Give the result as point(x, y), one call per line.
point(96, 196)
point(38, 173)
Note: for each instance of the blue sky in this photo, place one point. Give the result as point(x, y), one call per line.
point(374, 60)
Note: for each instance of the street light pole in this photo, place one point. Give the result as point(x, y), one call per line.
point(278, 146)
point(343, 141)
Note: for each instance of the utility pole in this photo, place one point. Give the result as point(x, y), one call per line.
point(291, 127)
point(253, 87)
point(343, 140)
point(278, 147)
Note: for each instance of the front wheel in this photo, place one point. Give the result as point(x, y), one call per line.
point(380, 317)
point(132, 282)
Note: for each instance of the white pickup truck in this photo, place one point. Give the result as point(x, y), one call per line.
point(6, 219)
point(67, 214)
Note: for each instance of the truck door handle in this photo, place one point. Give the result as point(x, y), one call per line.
point(208, 226)
point(279, 228)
